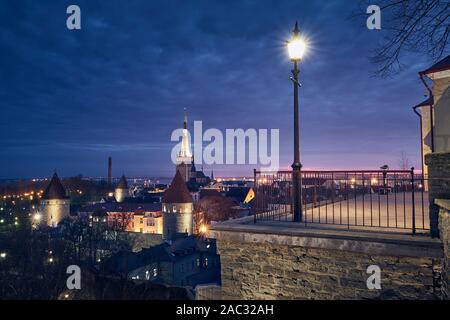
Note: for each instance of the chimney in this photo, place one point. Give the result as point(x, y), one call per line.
point(110, 171)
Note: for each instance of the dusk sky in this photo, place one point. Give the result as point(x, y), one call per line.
point(118, 87)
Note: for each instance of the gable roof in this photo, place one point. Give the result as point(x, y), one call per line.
point(55, 189)
point(425, 103)
point(441, 65)
point(178, 191)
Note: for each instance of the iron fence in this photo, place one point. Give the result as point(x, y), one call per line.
point(370, 198)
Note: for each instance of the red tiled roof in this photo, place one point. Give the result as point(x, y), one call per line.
point(178, 191)
point(55, 189)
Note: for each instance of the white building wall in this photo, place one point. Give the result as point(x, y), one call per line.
point(441, 93)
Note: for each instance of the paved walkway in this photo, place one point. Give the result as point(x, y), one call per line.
point(381, 212)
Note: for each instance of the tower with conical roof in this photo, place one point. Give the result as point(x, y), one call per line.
point(122, 191)
point(55, 204)
point(177, 207)
point(185, 158)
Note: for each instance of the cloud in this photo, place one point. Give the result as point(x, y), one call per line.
point(120, 84)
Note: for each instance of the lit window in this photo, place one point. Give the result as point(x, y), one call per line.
point(206, 262)
point(155, 272)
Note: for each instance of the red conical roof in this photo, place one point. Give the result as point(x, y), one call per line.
point(178, 191)
point(55, 189)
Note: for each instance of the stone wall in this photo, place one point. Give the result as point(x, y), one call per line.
point(208, 292)
point(444, 227)
point(257, 264)
point(439, 185)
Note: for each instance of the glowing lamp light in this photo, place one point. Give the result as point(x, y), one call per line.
point(3, 255)
point(296, 48)
point(374, 181)
point(37, 217)
point(203, 229)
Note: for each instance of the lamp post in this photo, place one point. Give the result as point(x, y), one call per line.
point(296, 48)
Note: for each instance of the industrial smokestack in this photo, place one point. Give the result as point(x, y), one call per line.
point(110, 171)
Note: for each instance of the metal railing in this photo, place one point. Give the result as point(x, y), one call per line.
point(369, 198)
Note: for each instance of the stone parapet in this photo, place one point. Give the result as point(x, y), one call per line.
point(286, 261)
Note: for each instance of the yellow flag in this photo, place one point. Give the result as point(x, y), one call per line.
point(250, 196)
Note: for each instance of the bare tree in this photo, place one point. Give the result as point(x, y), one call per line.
point(421, 26)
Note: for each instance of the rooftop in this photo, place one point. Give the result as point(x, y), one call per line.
point(123, 184)
point(55, 189)
point(441, 65)
point(178, 191)
point(122, 207)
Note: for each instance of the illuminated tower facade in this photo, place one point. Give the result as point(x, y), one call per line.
point(177, 207)
point(122, 191)
point(55, 204)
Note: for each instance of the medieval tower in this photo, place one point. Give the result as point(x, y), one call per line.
point(177, 207)
point(122, 192)
point(55, 203)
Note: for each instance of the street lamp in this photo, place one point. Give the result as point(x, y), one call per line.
point(296, 49)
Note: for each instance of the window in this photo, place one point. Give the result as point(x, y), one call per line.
point(198, 262)
point(155, 272)
point(147, 275)
point(206, 262)
point(174, 209)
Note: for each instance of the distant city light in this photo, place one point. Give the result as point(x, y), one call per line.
point(37, 216)
point(50, 260)
point(3, 255)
